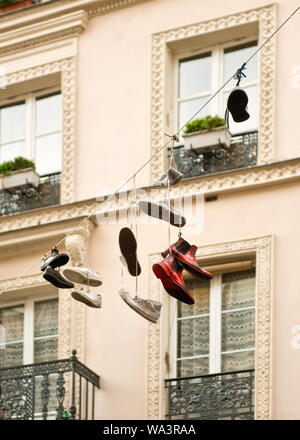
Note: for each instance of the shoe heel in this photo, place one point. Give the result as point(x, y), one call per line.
point(158, 271)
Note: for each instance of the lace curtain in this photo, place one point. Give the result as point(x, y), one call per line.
point(12, 321)
point(45, 330)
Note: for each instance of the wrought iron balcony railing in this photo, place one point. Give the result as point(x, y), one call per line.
point(38, 391)
point(241, 154)
point(225, 396)
point(25, 198)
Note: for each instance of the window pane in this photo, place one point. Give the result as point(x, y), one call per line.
point(10, 151)
point(12, 319)
point(193, 337)
point(48, 114)
point(238, 361)
point(48, 154)
point(233, 60)
point(188, 108)
point(238, 330)
point(12, 123)
point(238, 289)
point(195, 76)
point(192, 367)
point(46, 325)
point(46, 318)
point(199, 289)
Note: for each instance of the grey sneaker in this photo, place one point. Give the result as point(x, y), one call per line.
point(163, 211)
point(174, 176)
point(82, 275)
point(88, 298)
point(147, 308)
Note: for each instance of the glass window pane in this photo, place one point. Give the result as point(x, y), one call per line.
point(46, 318)
point(199, 289)
point(235, 57)
point(46, 349)
point(10, 151)
point(12, 319)
point(238, 330)
point(252, 122)
point(238, 289)
point(237, 361)
point(48, 114)
point(188, 108)
point(12, 122)
point(48, 154)
point(195, 76)
point(192, 367)
point(193, 337)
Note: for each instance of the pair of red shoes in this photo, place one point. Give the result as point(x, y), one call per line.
point(170, 269)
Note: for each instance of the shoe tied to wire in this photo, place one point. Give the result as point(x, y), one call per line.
point(237, 105)
point(82, 275)
point(185, 254)
point(172, 176)
point(163, 211)
point(169, 272)
point(147, 308)
point(87, 297)
point(128, 248)
point(54, 260)
point(55, 278)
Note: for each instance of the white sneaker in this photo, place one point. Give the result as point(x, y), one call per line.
point(147, 308)
point(82, 275)
point(88, 298)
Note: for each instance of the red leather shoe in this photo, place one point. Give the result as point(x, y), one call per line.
point(185, 254)
point(169, 272)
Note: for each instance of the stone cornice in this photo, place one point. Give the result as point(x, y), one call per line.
point(226, 182)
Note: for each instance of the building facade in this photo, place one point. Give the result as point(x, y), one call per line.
point(89, 90)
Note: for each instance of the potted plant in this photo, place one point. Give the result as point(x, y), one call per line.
point(11, 5)
point(206, 134)
point(18, 172)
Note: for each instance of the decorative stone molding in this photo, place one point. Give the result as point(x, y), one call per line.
point(266, 17)
point(67, 69)
point(23, 283)
point(111, 5)
point(262, 247)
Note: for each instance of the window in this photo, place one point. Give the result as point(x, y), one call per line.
point(201, 75)
point(31, 333)
point(32, 127)
point(217, 333)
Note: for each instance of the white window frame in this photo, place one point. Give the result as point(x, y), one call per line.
point(215, 328)
point(217, 51)
point(30, 99)
point(28, 333)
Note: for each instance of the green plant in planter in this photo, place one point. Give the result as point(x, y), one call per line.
point(19, 163)
point(206, 123)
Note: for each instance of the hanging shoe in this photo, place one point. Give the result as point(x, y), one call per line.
point(128, 247)
point(169, 272)
point(54, 260)
point(163, 211)
point(55, 278)
point(237, 105)
point(147, 308)
point(172, 175)
point(82, 275)
point(185, 254)
point(88, 298)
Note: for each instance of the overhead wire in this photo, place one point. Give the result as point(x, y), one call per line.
point(8, 287)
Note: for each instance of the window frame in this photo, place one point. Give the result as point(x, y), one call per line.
point(29, 99)
point(217, 51)
point(215, 327)
point(28, 332)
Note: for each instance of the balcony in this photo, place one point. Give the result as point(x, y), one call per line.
point(242, 154)
point(225, 396)
point(26, 198)
point(38, 391)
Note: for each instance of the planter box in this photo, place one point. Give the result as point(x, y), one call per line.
point(207, 140)
point(18, 4)
point(19, 178)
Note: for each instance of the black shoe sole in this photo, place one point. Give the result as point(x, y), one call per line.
point(54, 277)
point(128, 247)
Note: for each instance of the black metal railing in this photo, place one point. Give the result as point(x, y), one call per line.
point(26, 198)
point(241, 154)
point(38, 391)
point(225, 396)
